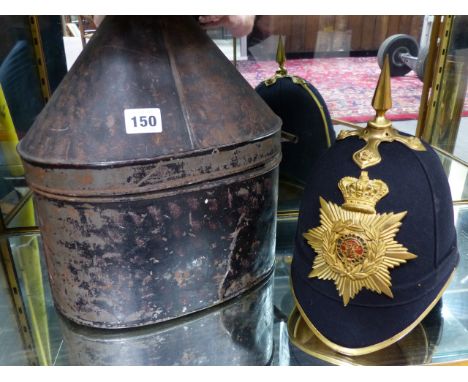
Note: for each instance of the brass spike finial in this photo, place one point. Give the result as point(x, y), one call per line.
point(281, 57)
point(382, 100)
point(281, 72)
point(383, 93)
point(380, 128)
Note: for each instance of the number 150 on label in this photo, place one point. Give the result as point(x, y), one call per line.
point(141, 121)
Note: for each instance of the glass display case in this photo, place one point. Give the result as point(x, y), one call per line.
point(443, 120)
point(251, 329)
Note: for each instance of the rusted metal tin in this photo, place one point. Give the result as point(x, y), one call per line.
point(239, 332)
point(144, 227)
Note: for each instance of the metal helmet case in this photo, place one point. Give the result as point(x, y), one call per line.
point(154, 170)
point(376, 244)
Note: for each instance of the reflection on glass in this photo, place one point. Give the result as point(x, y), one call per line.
point(457, 174)
point(18, 72)
point(235, 49)
point(237, 333)
point(20, 102)
point(11, 346)
point(33, 283)
point(446, 124)
point(414, 349)
point(337, 55)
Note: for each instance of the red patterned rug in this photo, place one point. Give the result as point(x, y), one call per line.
point(347, 84)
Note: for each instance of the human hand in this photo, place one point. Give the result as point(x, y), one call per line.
point(238, 25)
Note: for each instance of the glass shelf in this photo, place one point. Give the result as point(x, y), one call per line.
point(248, 330)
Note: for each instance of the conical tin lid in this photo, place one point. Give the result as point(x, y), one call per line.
point(146, 89)
point(146, 62)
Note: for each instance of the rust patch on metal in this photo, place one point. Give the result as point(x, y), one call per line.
point(178, 254)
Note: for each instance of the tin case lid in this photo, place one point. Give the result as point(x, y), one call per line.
point(178, 91)
point(148, 89)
